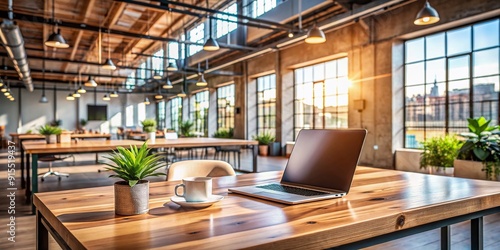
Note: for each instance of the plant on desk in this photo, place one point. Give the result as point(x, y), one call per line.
point(224, 133)
point(132, 165)
point(481, 150)
point(440, 152)
point(50, 133)
point(149, 126)
point(264, 140)
point(186, 129)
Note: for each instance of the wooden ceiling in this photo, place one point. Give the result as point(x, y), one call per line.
point(83, 54)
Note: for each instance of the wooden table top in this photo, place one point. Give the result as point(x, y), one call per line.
point(39, 136)
point(96, 146)
point(85, 217)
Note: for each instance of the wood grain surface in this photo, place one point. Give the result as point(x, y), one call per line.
point(85, 218)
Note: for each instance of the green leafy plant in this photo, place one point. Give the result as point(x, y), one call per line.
point(149, 125)
point(83, 122)
point(49, 130)
point(440, 151)
point(264, 139)
point(186, 128)
point(224, 133)
point(482, 144)
point(133, 165)
point(56, 123)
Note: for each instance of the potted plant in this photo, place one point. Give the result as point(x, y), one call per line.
point(132, 165)
point(439, 153)
point(56, 123)
point(149, 126)
point(186, 129)
point(264, 140)
point(83, 123)
point(224, 133)
point(50, 133)
point(479, 156)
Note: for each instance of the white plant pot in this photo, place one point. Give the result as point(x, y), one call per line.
point(152, 137)
point(51, 139)
point(469, 169)
point(131, 200)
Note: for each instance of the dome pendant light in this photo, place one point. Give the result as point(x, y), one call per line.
point(156, 75)
point(146, 101)
point(56, 40)
point(168, 83)
point(315, 36)
point(70, 97)
point(171, 67)
point(106, 97)
point(90, 82)
point(108, 64)
point(201, 81)
point(211, 44)
point(427, 15)
point(43, 99)
point(159, 95)
point(113, 94)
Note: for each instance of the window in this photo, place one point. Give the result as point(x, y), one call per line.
point(225, 107)
point(141, 112)
point(129, 116)
point(199, 112)
point(256, 8)
point(141, 73)
point(130, 84)
point(173, 51)
point(196, 35)
point(321, 96)
point(224, 27)
point(266, 104)
point(161, 115)
point(175, 113)
point(157, 61)
point(451, 76)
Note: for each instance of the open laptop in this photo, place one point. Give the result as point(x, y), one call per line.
point(321, 166)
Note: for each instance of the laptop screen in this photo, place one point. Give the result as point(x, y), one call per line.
point(325, 158)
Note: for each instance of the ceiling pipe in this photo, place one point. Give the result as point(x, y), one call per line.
point(12, 39)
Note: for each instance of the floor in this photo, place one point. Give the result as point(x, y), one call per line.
point(85, 174)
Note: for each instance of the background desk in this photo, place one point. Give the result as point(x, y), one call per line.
point(381, 205)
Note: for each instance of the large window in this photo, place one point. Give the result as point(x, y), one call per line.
point(131, 81)
point(141, 73)
point(451, 76)
point(321, 96)
point(175, 113)
point(141, 112)
point(256, 8)
point(266, 104)
point(173, 51)
point(157, 61)
point(161, 114)
point(199, 112)
point(197, 35)
point(225, 107)
point(129, 116)
point(224, 27)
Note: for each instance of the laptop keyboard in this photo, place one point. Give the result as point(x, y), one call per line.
point(292, 190)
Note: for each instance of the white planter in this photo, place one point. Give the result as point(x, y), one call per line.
point(469, 169)
point(131, 200)
point(51, 139)
point(152, 137)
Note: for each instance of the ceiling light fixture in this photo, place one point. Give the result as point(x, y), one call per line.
point(76, 94)
point(81, 90)
point(1, 83)
point(146, 101)
point(211, 44)
point(183, 94)
point(113, 94)
point(427, 15)
point(56, 40)
point(159, 95)
point(156, 75)
point(201, 81)
point(7, 93)
point(172, 66)
point(4, 88)
point(70, 97)
point(315, 35)
point(106, 97)
point(90, 82)
point(108, 64)
point(43, 99)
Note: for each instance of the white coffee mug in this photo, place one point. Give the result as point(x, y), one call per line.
point(196, 189)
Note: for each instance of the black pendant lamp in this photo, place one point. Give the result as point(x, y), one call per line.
point(56, 40)
point(427, 15)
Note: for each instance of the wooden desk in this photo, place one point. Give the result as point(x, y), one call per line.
point(36, 148)
point(20, 138)
point(382, 205)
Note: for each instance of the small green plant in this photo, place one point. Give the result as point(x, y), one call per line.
point(133, 165)
point(440, 151)
point(49, 130)
point(83, 122)
point(56, 123)
point(149, 125)
point(224, 133)
point(482, 144)
point(186, 128)
point(264, 139)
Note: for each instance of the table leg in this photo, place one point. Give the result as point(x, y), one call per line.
point(445, 238)
point(42, 234)
point(23, 183)
point(254, 158)
point(34, 179)
point(476, 231)
point(28, 180)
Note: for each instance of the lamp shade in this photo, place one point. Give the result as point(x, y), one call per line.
point(81, 90)
point(106, 97)
point(70, 97)
point(44, 99)
point(201, 81)
point(158, 96)
point(113, 94)
point(108, 64)
point(157, 75)
point(168, 84)
point(171, 67)
point(315, 35)
point(146, 101)
point(56, 40)
point(427, 15)
point(211, 45)
point(182, 94)
point(91, 82)
point(76, 94)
